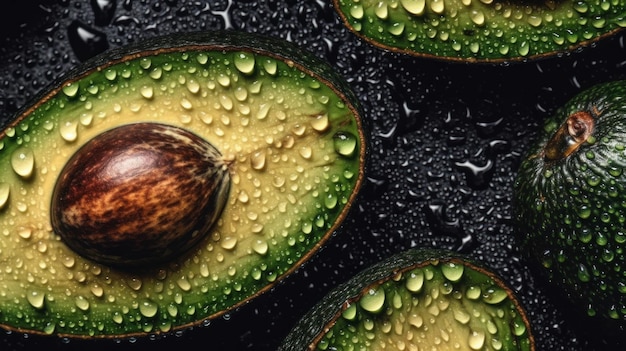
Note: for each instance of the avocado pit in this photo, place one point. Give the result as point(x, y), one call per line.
point(139, 194)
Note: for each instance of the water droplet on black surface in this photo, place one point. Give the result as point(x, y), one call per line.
point(85, 41)
point(441, 224)
point(477, 175)
point(103, 11)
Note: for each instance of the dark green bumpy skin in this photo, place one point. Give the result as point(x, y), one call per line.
point(571, 212)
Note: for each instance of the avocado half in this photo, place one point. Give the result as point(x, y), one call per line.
point(286, 144)
point(570, 202)
point(419, 299)
point(482, 30)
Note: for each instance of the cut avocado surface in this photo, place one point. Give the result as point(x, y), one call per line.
point(285, 127)
point(419, 299)
point(481, 30)
point(570, 201)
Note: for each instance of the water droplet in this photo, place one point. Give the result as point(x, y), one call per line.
point(356, 11)
point(473, 292)
point(524, 48)
point(345, 143)
point(320, 123)
point(437, 6)
point(223, 80)
point(461, 316)
point(478, 17)
point(70, 90)
point(81, 303)
point(97, 290)
point(583, 273)
point(148, 308)
point(23, 162)
point(24, 232)
point(186, 104)
point(415, 7)
point(306, 152)
point(478, 177)
point(350, 312)
point(5, 190)
point(244, 62)
point(85, 41)
point(270, 66)
point(103, 11)
point(476, 340)
point(147, 92)
point(36, 299)
point(183, 283)
point(134, 283)
point(226, 102)
point(260, 246)
point(330, 201)
point(49, 328)
point(396, 29)
point(452, 271)
point(415, 281)
point(229, 242)
point(373, 301)
point(69, 131)
point(494, 295)
point(118, 318)
point(381, 10)
point(257, 160)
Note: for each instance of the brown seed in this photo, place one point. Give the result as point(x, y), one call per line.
point(139, 194)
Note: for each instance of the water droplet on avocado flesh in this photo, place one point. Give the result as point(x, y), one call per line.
point(481, 30)
point(416, 300)
point(258, 102)
point(569, 202)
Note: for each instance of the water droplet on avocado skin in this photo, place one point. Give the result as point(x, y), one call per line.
point(575, 243)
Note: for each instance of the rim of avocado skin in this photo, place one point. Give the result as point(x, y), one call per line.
point(416, 299)
point(213, 83)
point(482, 30)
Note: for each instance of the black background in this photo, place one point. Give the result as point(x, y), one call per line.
point(445, 143)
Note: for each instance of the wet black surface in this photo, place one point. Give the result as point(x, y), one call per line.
point(446, 140)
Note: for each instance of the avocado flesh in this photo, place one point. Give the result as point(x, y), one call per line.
point(569, 203)
point(289, 126)
point(419, 299)
point(481, 30)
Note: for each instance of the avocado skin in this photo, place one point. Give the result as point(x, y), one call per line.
point(308, 332)
point(570, 213)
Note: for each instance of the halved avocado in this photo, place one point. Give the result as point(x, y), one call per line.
point(482, 30)
point(248, 129)
point(419, 299)
point(570, 202)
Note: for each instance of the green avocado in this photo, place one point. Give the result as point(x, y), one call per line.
point(570, 202)
point(482, 30)
point(167, 183)
point(419, 299)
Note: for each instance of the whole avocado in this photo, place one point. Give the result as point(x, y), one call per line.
point(570, 202)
